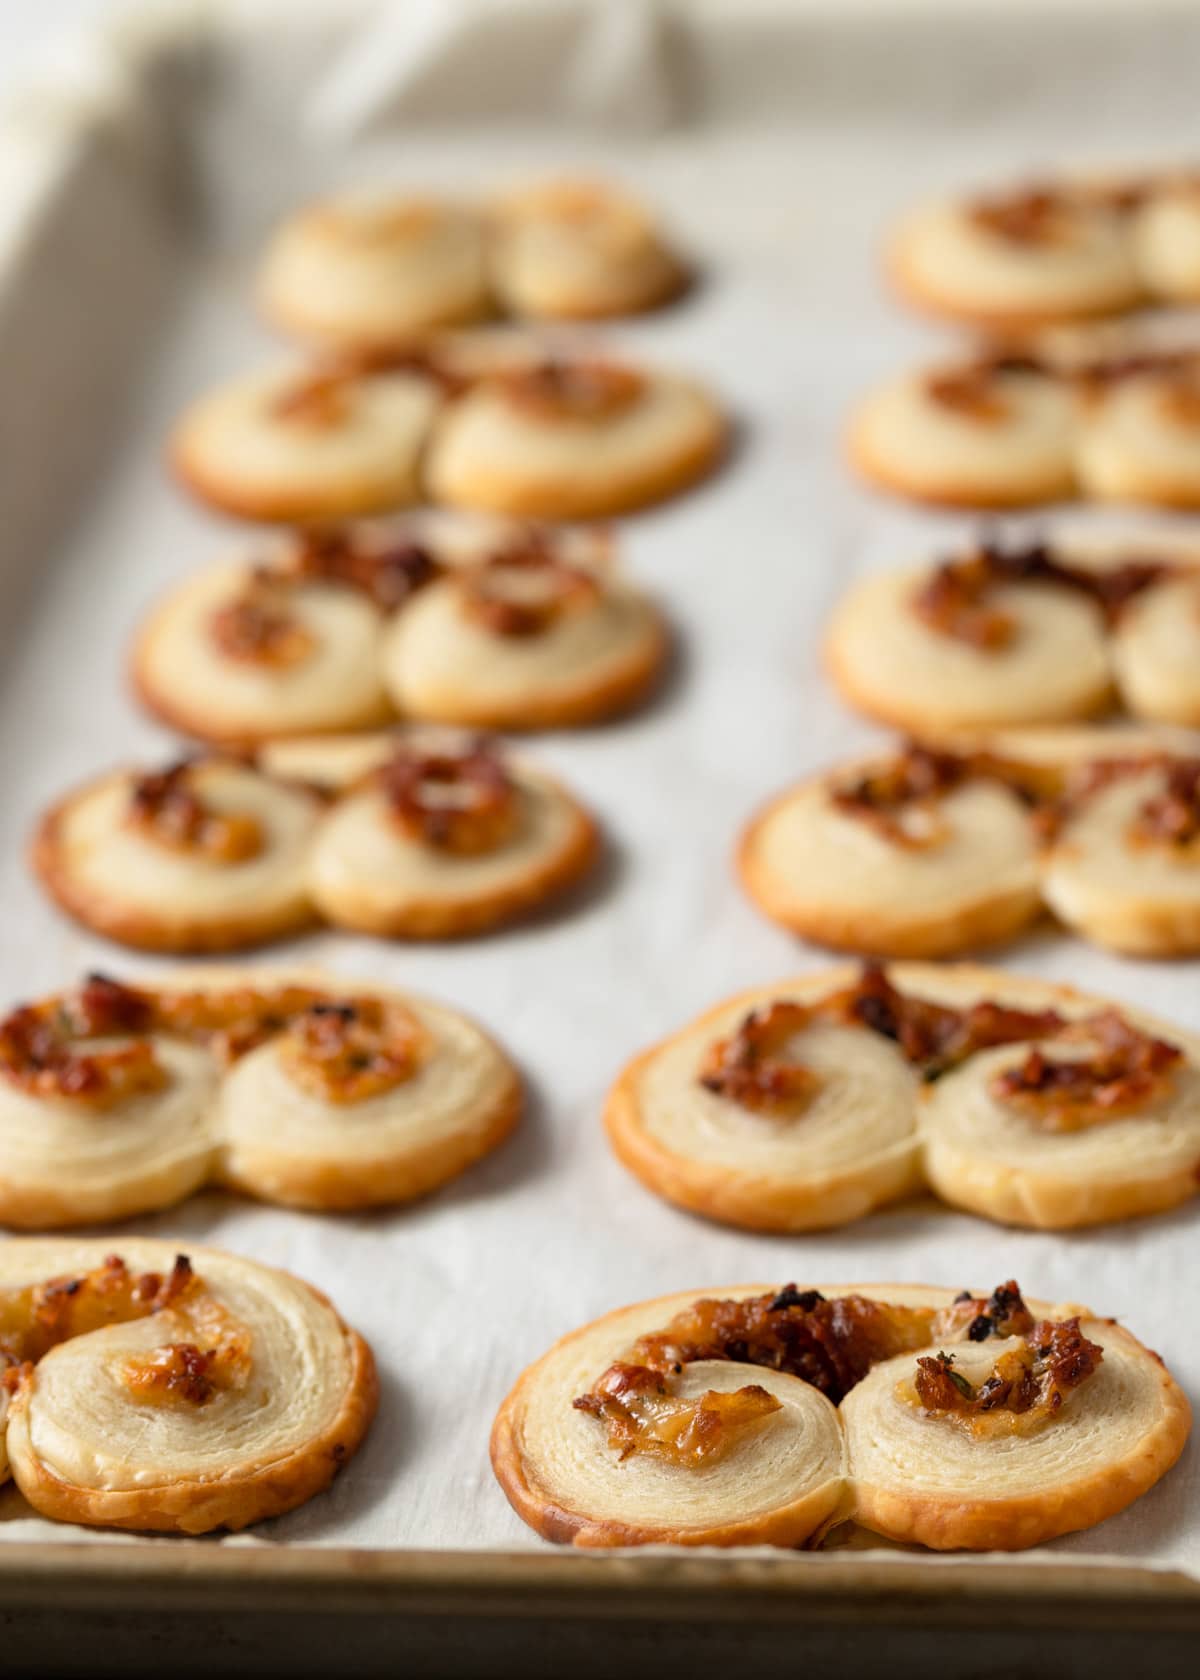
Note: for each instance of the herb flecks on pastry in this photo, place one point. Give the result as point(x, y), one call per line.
point(349, 1050)
point(1022, 1393)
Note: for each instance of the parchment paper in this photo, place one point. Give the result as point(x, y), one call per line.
point(149, 304)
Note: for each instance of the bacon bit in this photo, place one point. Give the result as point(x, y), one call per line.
point(464, 803)
point(258, 627)
point(953, 601)
point(348, 1051)
point(830, 1344)
point(1025, 1389)
point(1127, 1072)
point(40, 1046)
point(899, 800)
point(748, 1069)
point(164, 808)
point(577, 390)
point(1034, 216)
point(387, 572)
point(558, 589)
point(1171, 818)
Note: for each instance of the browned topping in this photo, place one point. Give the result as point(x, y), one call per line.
point(465, 803)
point(347, 1051)
point(1024, 1390)
point(749, 1068)
point(830, 1344)
point(214, 1359)
point(38, 1317)
point(319, 399)
point(900, 799)
point(230, 1021)
point(41, 1046)
point(388, 572)
point(165, 807)
point(1172, 818)
point(956, 602)
point(526, 589)
point(577, 390)
point(975, 1317)
point(1034, 216)
point(1179, 399)
point(1125, 1072)
point(969, 391)
point(259, 627)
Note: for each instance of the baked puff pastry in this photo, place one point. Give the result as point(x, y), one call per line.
point(580, 250)
point(806, 1104)
point(527, 638)
point(307, 444)
point(444, 836)
point(907, 855)
point(573, 438)
point(955, 1421)
point(299, 1089)
point(1057, 251)
point(1012, 634)
point(206, 855)
point(376, 271)
point(180, 1393)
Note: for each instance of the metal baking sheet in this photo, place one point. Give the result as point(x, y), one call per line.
point(138, 202)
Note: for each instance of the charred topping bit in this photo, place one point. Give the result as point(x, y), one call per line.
point(348, 1051)
point(830, 1344)
point(975, 1318)
point(42, 1045)
point(215, 1357)
point(1025, 1389)
point(1171, 818)
point(463, 803)
point(165, 807)
point(526, 589)
point(259, 626)
point(1124, 1072)
point(955, 600)
point(576, 390)
point(38, 1317)
point(900, 799)
point(389, 572)
point(751, 1068)
point(231, 1021)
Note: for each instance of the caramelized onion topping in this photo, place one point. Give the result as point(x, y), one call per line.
point(37, 1317)
point(215, 1359)
point(1124, 1072)
point(165, 807)
point(1025, 1389)
point(750, 1067)
point(464, 803)
point(565, 391)
point(388, 572)
point(1171, 819)
point(526, 589)
point(259, 627)
point(900, 799)
point(347, 1051)
point(830, 1344)
point(45, 1049)
point(1033, 216)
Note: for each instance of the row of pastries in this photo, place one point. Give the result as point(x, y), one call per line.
point(151, 1390)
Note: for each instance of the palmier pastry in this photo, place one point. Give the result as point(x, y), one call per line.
point(899, 856)
point(578, 250)
point(206, 855)
point(447, 837)
point(1156, 649)
point(1140, 436)
point(807, 1103)
point(375, 272)
point(525, 639)
point(1123, 863)
point(574, 438)
point(997, 636)
point(956, 1421)
point(296, 1088)
point(308, 444)
point(996, 432)
point(1048, 252)
point(150, 1390)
